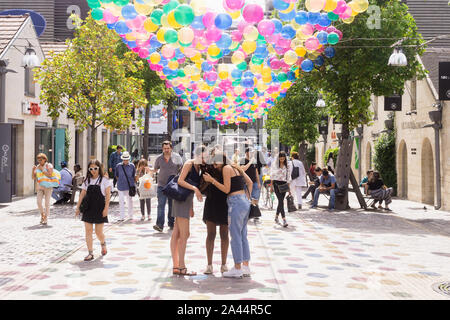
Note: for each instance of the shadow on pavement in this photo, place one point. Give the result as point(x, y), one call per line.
point(376, 222)
point(212, 284)
point(97, 263)
point(38, 227)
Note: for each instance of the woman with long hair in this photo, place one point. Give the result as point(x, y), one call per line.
point(215, 211)
point(280, 173)
point(96, 189)
point(378, 190)
point(234, 183)
point(143, 169)
point(182, 211)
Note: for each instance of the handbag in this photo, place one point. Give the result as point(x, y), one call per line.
point(295, 173)
point(282, 188)
point(254, 211)
point(147, 188)
point(132, 189)
point(290, 204)
point(174, 191)
point(49, 182)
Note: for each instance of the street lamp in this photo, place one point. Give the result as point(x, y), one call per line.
point(30, 59)
point(320, 103)
point(398, 59)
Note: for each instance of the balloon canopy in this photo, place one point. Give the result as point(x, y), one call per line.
point(232, 63)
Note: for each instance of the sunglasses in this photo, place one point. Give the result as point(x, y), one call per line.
point(92, 169)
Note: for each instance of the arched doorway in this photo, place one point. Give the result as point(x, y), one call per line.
point(368, 157)
point(427, 164)
point(402, 166)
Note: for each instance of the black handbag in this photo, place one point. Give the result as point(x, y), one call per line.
point(295, 173)
point(131, 190)
point(282, 188)
point(254, 211)
point(174, 191)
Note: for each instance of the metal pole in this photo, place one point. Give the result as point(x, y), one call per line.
point(2, 94)
point(437, 161)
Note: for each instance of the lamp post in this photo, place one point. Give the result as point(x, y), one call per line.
point(3, 71)
point(360, 131)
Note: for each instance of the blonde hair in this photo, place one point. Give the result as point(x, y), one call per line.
point(43, 156)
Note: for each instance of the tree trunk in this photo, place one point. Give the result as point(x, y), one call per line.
point(302, 151)
point(93, 142)
point(169, 119)
point(146, 126)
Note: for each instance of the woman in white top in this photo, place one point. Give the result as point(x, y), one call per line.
point(96, 191)
point(280, 174)
point(299, 182)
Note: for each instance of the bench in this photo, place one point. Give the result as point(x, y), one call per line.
point(74, 187)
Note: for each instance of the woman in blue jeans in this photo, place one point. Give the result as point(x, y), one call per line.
point(234, 181)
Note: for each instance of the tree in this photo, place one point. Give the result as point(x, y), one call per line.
point(360, 68)
point(90, 82)
point(385, 159)
point(296, 115)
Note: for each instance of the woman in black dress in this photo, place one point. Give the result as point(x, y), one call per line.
point(96, 193)
point(215, 213)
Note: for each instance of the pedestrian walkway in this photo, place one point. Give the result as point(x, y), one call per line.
point(351, 254)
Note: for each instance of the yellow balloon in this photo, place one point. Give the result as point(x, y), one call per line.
point(330, 5)
point(300, 35)
point(348, 20)
point(149, 26)
point(165, 22)
point(130, 36)
point(249, 46)
point(235, 14)
point(195, 77)
point(213, 50)
point(300, 51)
point(286, 85)
point(290, 57)
point(173, 64)
point(199, 7)
point(160, 35)
point(155, 58)
point(143, 9)
point(289, 9)
point(362, 5)
point(271, 49)
point(267, 79)
point(237, 57)
point(315, 5)
point(223, 75)
point(171, 19)
point(251, 33)
point(185, 35)
point(266, 72)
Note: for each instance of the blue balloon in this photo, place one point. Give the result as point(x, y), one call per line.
point(278, 26)
point(224, 42)
point(324, 21)
point(319, 61)
point(223, 21)
point(250, 93)
point(329, 52)
point(313, 17)
point(194, 96)
point(206, 66)
point(247, 82)
point(111, 26)
point(132, 44)
point(197, 24)
point(248, 74)
point(322, 36)
point(129, 12)
point(154, 43)
point(291, 75)
point(280, 5)
point(288, 32)
point(287, 16)
point(122, 28)
point(301, 17)
point(226, 52)
point(236, 74)
point(307, 65)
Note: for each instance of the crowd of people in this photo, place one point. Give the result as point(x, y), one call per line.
point(229, 188)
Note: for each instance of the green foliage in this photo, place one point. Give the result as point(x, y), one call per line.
point(296, 116)
point(311, 155)
point(67, 146)
point(385, 159)
point(360, 67)
point(111, 149)
point(294, 148)
point(335, 153)
point(90, 82)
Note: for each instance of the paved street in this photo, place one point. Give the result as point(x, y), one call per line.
point(352, 254)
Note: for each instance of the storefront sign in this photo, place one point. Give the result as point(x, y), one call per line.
point(5, 162)
point(35, 109)
point(444, 81)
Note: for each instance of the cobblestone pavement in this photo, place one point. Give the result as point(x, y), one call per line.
point(352, 254)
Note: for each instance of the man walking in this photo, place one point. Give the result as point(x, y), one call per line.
point(168, 163)
point(114, 160)
point(125, 175)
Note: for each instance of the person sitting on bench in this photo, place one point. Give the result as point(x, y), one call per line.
point(314, 184)
point(62, 193)
point(379, 191)
point(327, 186)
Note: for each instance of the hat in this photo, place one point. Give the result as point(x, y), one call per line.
point(125, 155)
point(63, 164)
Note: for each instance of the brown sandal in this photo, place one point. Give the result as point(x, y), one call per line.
point(184, 272)
point(104, 251)
point(176, 273)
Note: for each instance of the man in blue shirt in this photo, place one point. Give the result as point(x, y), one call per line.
point(114, 160)
point(61, 194)
point(328, 186)
point(125, 175)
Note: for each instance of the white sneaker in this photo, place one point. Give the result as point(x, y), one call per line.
point(246, 271)
point(234, 273)
point(223, 268)
point(209, 269)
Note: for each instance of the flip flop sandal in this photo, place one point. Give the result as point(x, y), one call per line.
point(104, 251)
point(89, 257)
point(176, 273)
point(184, 272)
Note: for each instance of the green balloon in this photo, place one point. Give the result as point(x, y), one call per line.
point(184, 14)
point(242, 66)
point(97, 14)
point(282, 77)
point(236, 82)
point(257, 61)
point(218, 99)
point(171, 36)
point(121, 3)
point(333, 38)
point(156, 16)
point(181, 74)
point(238, 100)
point(333, 16)
point(94, 4)
point(170, 6)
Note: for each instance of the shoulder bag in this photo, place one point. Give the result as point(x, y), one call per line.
point(131, 190)
point(174, 191)
point(295, 172)
point(283, 188)
point(255, 212)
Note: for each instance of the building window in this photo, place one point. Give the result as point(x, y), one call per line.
point(30, 86)
point(413, 95)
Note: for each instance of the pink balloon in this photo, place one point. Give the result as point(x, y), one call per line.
point(253, 13)
point(235, 4)
point(236, 36)
point(319, 27)
point(266, 27)
point(242, 25)
point(341, 7)
point(108, 17)
point(312, 44)
point(273, 38)
point(143, 53)
point(165, 1)
point(284, 43)
point(308, 29)
point(208, 19)
point(213, 34)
